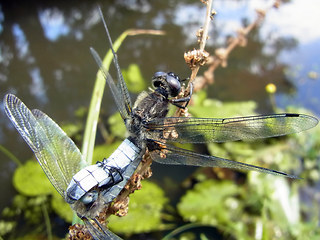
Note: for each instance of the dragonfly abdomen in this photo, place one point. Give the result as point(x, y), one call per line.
point(103, 174)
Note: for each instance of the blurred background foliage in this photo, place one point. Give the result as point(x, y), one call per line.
point(208, 203)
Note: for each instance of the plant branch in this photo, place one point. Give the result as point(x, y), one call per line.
point(221, 54)
point(203, 37)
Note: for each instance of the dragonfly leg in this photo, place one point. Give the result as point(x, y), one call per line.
point(115, 170)
point(185, 100)
point(100, 163)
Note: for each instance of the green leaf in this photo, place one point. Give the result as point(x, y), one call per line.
point(210, 202)
point(134, 78)
point(204, 107)
point(216, 149)
point(62, 208)
point(30, 180)
point(6, 227)
point(144, 211)
point(117, 126)
point(72, 129)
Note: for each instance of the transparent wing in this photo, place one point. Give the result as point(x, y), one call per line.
point(121, 98)
point(168, 154)
point(103, 234)
point(68, 155)
point(56, 153)
point(110, 194)
point(201, 130)
point(119, 91)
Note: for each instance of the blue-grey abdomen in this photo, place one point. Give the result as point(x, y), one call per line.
point(103, 174)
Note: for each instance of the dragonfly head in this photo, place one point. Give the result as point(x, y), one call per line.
point(168, 84)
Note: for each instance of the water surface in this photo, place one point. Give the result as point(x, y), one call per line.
point(45, 58)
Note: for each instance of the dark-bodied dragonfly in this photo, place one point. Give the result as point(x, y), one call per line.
point(89, 189)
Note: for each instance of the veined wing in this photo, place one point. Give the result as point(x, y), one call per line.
point(201, 130)
point(67, 153)
point(119, 91)
point(104, 234)
point(120, 98)
point(56, 153)
point(168, 154)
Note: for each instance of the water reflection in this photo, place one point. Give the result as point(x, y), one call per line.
point(23, 54)
point(21, 43)
point(54, 24)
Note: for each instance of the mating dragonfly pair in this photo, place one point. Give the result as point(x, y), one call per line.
point(90, 189)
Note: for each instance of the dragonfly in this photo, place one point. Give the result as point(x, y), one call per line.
point(89, 189)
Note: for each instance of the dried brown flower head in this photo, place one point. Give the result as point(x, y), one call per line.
point(196, 58)
point(79, 232)
point(122, 207)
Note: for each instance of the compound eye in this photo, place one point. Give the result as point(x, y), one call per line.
point(159, 74)
point(172, 74)
point(174, 84)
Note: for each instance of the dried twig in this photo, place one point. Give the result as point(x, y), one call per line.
point(221, 54)
point(204, 37)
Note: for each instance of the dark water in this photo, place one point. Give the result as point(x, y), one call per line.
point(45, 58)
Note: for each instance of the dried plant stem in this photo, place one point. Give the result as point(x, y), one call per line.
point(204, 37)
point(221, 54)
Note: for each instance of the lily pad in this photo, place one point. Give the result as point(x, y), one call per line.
point(211, 108)
point(145, 210)
point(210, 202)
point(30, 180)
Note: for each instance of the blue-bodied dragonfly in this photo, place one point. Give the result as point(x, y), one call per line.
point(88, 190)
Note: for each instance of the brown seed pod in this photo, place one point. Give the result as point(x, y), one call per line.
point(78, 231)
point(196, 58)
